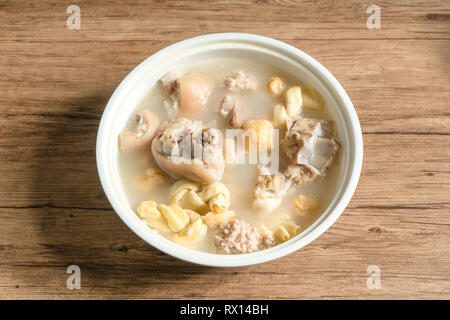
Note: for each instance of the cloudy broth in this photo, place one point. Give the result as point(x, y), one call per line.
point(240, 178)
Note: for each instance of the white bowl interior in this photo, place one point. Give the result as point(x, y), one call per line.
point(135, 86)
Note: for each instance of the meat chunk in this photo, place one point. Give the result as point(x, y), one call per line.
point(169, 80)
point(147, 124)
point(232, 111)
point(236, 236)
point(239, 81)
point(188, 93)
point(305, 143)
point(193, 92)
point(187, 150)
point(270, 190)
point(298, 147)
point(325, 151)
point(300, 174)
point(320, 128)
point(328, 128)
point(304, 126)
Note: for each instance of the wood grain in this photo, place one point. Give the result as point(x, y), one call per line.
point(55, 83)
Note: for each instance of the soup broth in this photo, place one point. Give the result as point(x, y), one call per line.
point(240, 179)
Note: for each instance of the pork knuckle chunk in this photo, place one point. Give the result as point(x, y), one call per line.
point(147, 124)
point(325, 151)
point(169, 80)
point(300, 174)
point(188, 92)
point(309, 142)
point(188, 150)
point(270, 190)
point(193, 92)
point(299, 148)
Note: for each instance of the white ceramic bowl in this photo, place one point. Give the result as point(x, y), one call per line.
point(279, 54)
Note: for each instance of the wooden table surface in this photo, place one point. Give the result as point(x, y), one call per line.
point(54, 85)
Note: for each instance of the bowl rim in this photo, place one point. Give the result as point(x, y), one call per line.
point(220, 260)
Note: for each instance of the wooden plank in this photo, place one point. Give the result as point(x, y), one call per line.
point(124, 21)
point(55, 83)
